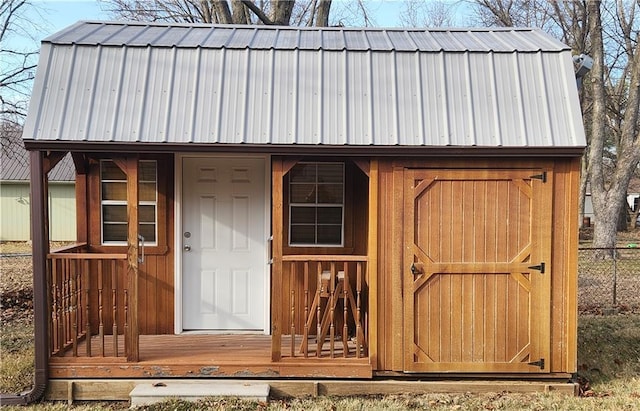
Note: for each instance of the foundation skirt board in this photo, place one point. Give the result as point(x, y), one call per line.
point(148, 393)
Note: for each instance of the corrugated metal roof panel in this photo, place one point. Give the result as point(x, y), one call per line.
point(15, 166)
point(212, 36)
point(287, 40)
point(356, 40)
point(278, 86)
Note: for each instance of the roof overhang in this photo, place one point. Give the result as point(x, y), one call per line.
point(307, 150)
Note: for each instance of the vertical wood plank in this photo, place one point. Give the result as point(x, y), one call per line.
point(394, 269)
point(132, 337)
point(82, 215)
point(277, 266)
point(372, 265)
point(541, 283)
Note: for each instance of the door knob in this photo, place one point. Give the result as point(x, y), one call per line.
point(417, 268)
point(187, 247)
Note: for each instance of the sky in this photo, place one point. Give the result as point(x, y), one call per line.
point(58, 14)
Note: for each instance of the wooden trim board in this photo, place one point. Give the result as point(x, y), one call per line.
point(118, 390)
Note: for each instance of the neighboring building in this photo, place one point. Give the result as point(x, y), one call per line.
point(14, 197)
point(633, 199)
point(337, 203)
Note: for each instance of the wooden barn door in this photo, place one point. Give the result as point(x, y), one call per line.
point(476, 270)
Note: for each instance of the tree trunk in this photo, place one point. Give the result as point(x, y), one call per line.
point(584, 179)
point(282, 10)
point(604, 233)
point(222, 11)
point(322, 19)
point(239, 13)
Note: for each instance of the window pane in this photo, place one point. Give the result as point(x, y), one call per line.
point(147, 192)
point(302, 215)
point(330, 173)
point(110, 171)
point(114, 232)
point(114, 191)
point(303, 173)
point(114, 213)
point(303, 193)
point(330, 193)
point(148, 231)
point(147, 170)
point(147, 214)
point(303, 234)
point(330, 215)
point(330, 234)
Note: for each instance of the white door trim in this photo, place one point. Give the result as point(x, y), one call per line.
point(177, 235)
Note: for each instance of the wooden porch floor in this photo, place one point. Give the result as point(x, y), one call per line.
point(200, 355)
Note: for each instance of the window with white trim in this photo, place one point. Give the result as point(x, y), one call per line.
point(316, 204)
point(113, 202)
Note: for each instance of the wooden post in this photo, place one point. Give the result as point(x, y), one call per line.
point(39, 252)
point(277, 198)
point(372, 265)
point(132, 337)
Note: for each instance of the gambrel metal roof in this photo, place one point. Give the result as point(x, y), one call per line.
point(127, 82)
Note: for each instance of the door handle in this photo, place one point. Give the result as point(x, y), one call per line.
point(187, 247)
point(141, 242)
point(416, 268)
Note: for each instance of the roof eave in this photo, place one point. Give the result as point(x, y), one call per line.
point(317, 150)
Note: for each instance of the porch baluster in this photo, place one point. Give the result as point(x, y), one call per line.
point(114, 308)
point(358, 307)
point(126, 321)
point(345, 300)
point(66, 303)
point(87, 319)
point(100, 308)
point(73, 273)
point(58, 342)
point(319, 291)
point(332, 307)
point(305, 339)
point(292, 277)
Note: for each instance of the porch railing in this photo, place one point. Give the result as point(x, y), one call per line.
point(88, 303)
point(327, 299)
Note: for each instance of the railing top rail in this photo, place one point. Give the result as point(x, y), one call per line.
point(68, 248)
point(86, 256)
point(356, 258)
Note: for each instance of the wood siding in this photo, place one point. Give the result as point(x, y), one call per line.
point(156, 274)
point(356, 219)
point(559, 207)
point(385, 273)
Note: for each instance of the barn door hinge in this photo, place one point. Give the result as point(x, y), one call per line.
point(539, 363)
point(542, 177)
point(539, 267)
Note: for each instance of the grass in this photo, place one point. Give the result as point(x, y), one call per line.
point(608, 363)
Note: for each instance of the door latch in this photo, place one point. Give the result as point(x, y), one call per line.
point(416, 268)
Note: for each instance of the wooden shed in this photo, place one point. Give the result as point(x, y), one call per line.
point(278, 202)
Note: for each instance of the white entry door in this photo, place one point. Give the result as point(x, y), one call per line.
point(224, 256)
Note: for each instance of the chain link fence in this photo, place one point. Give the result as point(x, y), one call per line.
point(609, 286)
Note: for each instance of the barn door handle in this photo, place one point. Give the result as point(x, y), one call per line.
point(141, 241)
point(416, 268)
